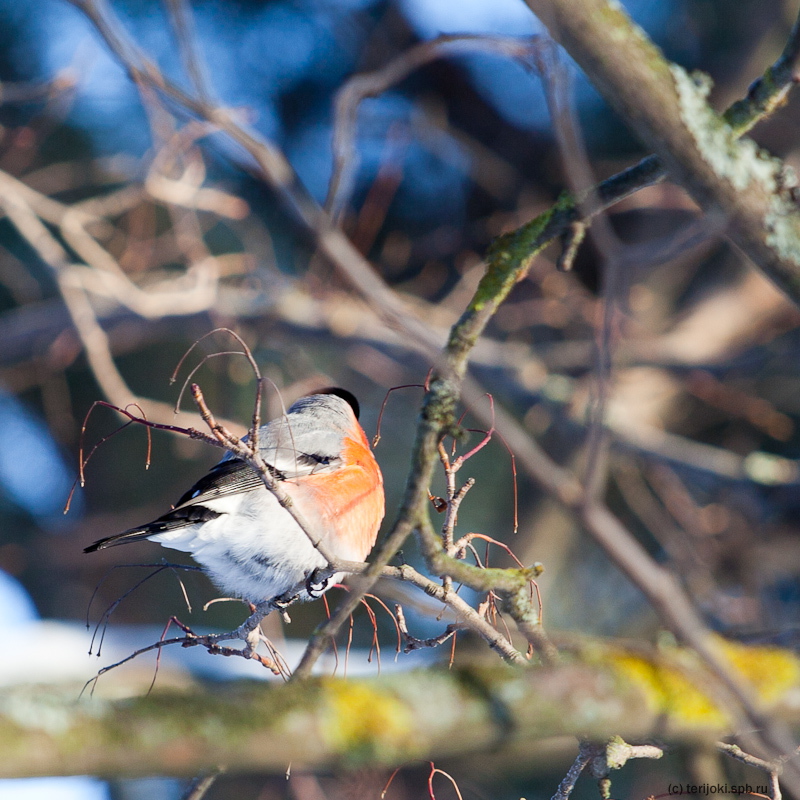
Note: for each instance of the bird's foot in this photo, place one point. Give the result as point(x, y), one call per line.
point(317, 583)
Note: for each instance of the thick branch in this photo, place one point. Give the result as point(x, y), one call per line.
point(667, 109)
point(330, 723)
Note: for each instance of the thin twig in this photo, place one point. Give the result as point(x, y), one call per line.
point(198, 788)
point(412, 643)
point(772, 768)
point(585, 755)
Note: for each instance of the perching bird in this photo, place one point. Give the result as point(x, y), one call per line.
point(236, 530)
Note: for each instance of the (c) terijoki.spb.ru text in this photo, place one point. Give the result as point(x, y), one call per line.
point(716, 788)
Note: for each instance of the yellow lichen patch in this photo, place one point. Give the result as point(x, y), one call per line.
point(668, 691)
point(361, 720)
point(770, 670)
point(669, 686)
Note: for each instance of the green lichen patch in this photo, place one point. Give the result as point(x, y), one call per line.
point(511, 254)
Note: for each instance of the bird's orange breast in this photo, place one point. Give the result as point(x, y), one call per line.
point(348, 503)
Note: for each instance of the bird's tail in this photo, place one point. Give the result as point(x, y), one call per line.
point(181, 517)
point(133, 535)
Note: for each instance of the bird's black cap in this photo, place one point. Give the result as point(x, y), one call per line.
point(348, 397)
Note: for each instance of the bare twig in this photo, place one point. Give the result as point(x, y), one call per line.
point(773, 768)
point(102, 623)
point(412, 643)
point(572, 239)
point(198, 788)
point(585, 754)
point(601, 759)
point(434, 771)
point(248, 632)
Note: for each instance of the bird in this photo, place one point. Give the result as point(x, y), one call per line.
point(237, 531)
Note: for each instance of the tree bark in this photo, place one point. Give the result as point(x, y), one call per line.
point(385, 721)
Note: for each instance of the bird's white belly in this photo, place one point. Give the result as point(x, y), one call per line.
point(254, 550)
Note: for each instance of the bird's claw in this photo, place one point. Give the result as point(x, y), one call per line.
point(314, 586)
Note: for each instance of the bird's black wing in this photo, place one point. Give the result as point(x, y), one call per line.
point(231, 476)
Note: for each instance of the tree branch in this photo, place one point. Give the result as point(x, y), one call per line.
point(667, 108)
point(329, 723)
